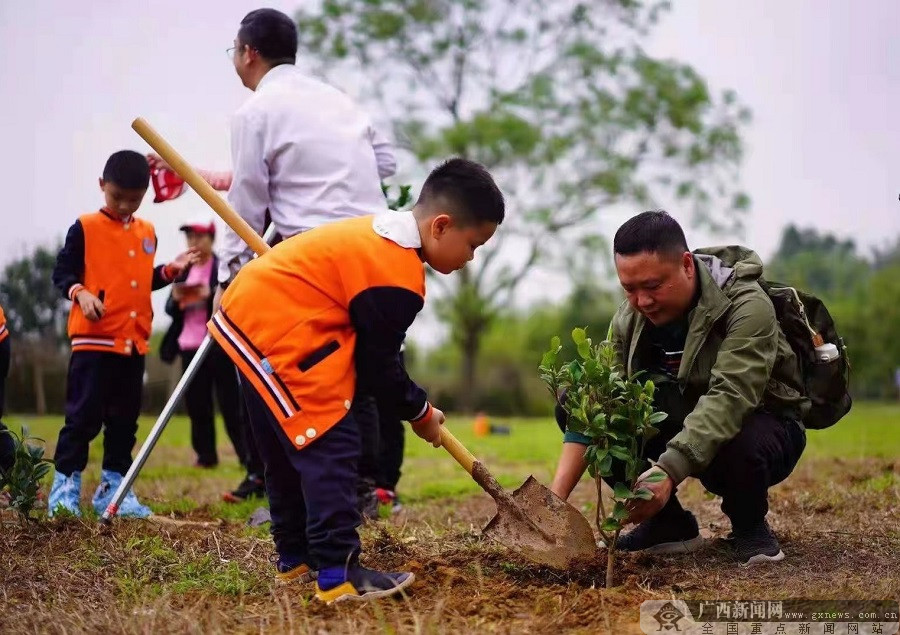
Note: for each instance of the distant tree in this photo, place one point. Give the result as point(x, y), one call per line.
point(820, 263)
point(35, 312)
point(886, 256)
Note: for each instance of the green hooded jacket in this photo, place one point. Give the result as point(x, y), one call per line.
point(736, 359)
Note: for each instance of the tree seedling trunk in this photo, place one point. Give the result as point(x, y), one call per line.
point(615, 412)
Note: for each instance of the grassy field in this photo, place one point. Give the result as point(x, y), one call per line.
point(869, 431)
point(199, 568)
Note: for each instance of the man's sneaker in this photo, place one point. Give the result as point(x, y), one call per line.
point(389, 497)
point(252, 486)
point(130, 507)
point(664, 533)
point(755, 545)
point(294, 570)
point(336, 584)
point(65, 495)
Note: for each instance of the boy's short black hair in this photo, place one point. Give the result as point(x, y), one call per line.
point(653, 232)
point(272, 33)
point(466, 191)
point(127, 169)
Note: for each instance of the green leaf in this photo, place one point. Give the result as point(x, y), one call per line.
point(658, 417)
point(643, 493)
point(610, 524)
point(621, 491)
point(612, 434)
point(606, 465)
point(620, 453)
point(656, 477)
point(579, 335)
point(619, 512)
point(584, 350)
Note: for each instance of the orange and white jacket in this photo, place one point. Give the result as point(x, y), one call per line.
point(4, 332)
point(301, 320)
point(113, 259)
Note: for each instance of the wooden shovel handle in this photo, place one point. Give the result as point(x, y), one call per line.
point(183, 169)
point(457, 450)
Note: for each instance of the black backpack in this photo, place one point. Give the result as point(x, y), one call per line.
point(806, 323)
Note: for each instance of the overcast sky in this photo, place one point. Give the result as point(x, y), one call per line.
point(820, 77)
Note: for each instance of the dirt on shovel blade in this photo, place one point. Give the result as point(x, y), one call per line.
point(538, 524)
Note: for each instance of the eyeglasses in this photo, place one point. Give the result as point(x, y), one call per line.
point(230, 51)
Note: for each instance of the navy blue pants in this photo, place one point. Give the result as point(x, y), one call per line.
point(762, 454)
point(312, 492)
point(7, 446)
point(103, 391)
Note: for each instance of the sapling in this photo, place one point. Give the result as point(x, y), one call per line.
point(616, 412)
point(22, 481)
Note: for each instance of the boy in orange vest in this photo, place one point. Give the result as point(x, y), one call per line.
point(319, 316)
point(7, 445)
point(106, 268)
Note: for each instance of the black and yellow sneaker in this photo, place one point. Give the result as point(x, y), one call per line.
point(287, 571)
point(336, 584)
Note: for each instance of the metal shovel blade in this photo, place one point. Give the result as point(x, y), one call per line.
point(541, 526)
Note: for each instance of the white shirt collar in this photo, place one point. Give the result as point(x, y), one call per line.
point(274, 73)
point(400, 227)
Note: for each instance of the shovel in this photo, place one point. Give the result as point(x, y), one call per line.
point(532, 520)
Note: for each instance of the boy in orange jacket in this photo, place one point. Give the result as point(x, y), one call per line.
point(318, 316)
point(7, 445)
point(106, 268)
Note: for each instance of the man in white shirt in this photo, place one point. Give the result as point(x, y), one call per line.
point(300, 148)
point(304, 152)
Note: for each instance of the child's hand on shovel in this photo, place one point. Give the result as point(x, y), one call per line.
point(429, 427)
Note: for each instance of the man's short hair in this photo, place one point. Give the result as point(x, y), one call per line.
point(465, 190)
point(128, 170)
point(652, 232)
point(272, 33)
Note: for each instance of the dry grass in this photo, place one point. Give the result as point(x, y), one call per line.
point(839, 522)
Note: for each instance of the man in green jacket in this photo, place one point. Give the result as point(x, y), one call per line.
point(703, 329)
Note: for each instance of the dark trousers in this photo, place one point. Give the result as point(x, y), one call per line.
point(382, 437)
point(7, 446)
point(216, 375)
point(252, 460)
point(762, 454)
point(365, 413)
point(312, 491)
point(382, 434)
point(392, 441)
point(103, 390)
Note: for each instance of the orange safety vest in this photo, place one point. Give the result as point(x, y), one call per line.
point(285, 319)
point(118, 261)
point(4, 332)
